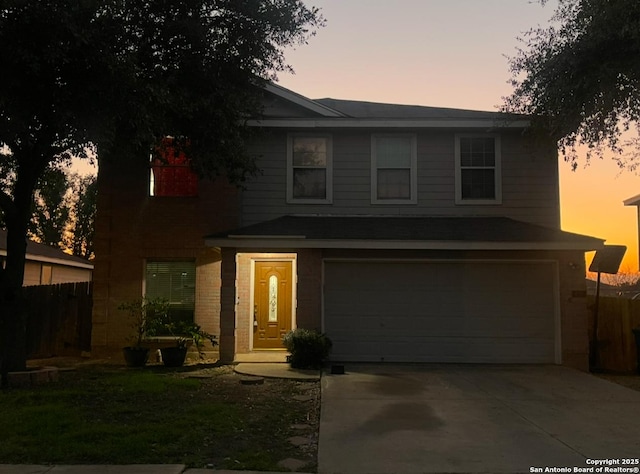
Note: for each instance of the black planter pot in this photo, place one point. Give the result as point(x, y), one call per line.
point(636, 333)
point(173, 356)
point(136, 356)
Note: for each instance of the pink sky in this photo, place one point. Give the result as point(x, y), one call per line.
point(451, 53)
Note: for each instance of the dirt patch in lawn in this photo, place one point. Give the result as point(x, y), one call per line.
point(281, 418)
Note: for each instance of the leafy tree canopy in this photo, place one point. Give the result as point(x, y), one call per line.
point(80, 238)
point(115, 76)
point(580, 78)
point(118, 74)
point(51, 208)
point(64, 209)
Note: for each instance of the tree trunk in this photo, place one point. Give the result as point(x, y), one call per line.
point(13, 317)
point(13, 322)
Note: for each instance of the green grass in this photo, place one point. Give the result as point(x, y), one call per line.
point(121, 416)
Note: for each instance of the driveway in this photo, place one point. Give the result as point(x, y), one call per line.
point(475, 418)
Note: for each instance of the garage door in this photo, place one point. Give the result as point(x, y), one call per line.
point(441, 311)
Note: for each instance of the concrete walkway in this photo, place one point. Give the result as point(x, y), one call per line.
point(276, 371)
point(475, 419)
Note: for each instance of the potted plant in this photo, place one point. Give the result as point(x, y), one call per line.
point(308, 348)
point(145, 315)
point(184, 334)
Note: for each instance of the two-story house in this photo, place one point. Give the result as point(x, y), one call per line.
point(405, 233)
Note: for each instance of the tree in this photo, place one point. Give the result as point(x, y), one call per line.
point(579, 78)
point(51, 208)
point(626, 280)
point(64, 209)
point(115, 76)
point(6, 178)
point(82, 228)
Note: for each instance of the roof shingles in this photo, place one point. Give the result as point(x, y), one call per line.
point(360, 109)
point(37, 250)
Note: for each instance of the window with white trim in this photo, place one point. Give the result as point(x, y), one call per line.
point(478, 174)
point(309, 169)
point(394, 169)
point(174, 281)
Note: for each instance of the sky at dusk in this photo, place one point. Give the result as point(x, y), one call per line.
point(451, 53)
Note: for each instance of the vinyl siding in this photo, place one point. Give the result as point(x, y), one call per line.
point(62, 274)
point(59, 274)
point(32, 272)
point(529, 180)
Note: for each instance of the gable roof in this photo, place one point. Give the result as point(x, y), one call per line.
point(46, 253)
point(394, 232)
point(311, 105)
point(335, 113)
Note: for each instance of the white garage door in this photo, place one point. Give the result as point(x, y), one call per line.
point(441, 311)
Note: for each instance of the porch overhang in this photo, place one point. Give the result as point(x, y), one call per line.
point(407, 233)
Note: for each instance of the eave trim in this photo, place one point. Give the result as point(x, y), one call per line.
point(289, 243)
point(390, 123)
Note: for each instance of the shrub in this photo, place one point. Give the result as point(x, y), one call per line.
point(145, 316)
point(308, 348)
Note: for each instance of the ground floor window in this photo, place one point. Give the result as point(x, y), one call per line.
point(175, 282)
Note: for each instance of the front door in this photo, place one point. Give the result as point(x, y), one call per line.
point(272, 304)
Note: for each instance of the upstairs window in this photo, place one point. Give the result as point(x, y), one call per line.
point(176, 283)
point(394, 169)
point(478, 179)
point(309, 169)
point(171, 173)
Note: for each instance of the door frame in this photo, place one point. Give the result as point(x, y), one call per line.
point(252, 283)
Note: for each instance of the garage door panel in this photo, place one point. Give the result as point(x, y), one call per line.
point(440, 312)
point(399, 326)
point(453, 350)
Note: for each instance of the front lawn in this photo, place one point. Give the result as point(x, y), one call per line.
point(199, 416)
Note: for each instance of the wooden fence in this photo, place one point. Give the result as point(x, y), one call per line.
point(59, 319)
point(616, 319)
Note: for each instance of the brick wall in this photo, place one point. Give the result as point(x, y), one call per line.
point(574, 310)
point(132, 227)
point(309, 314)
point(228, 305)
